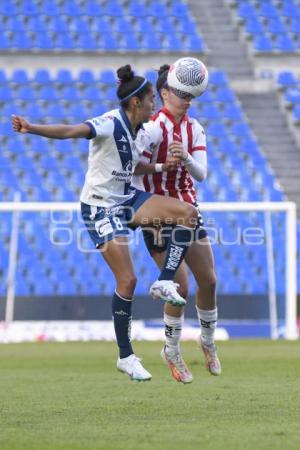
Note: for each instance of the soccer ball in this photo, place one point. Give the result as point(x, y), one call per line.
point(188, 76)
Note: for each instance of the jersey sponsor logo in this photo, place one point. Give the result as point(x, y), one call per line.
point(177, 136)
point(124, 175)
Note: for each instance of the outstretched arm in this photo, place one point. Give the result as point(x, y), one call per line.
point(62, 131)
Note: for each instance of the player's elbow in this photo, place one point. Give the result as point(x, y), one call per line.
point(202, 174)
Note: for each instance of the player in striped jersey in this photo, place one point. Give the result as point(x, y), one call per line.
point(109, 204)
point(175, 137)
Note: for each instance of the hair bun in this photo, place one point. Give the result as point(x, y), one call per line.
point(162, 69)
point(125, 73)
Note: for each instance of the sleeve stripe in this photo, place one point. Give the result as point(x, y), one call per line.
point(92, 128)
point(147, 154)
point(200, 147)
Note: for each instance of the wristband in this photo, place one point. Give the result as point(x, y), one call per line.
point(158, 167)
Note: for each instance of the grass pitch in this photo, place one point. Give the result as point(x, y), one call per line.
point(70, 396)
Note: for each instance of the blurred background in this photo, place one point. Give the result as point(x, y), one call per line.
point(57, 64)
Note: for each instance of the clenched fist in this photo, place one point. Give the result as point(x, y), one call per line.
point(20, 124)
point(177, 150)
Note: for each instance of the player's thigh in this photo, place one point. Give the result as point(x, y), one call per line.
point(200, 260)
point(117, 256)
point(165, 209)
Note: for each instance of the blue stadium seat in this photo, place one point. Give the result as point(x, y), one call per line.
point(290, 10)
point(136, 9)
point(284, 44)
point(246, 11)
point(224, 95)
point(64, 76)
point(179, 9)
point(151, 76)
point(276, 26)
point(287, 79)
point(93, 9)
point(113, 9)
point(254, 26)
point(262, 43)
point(86, 77)
point(291, 95)
point(268, 10)
point(22, 41)
point(157, 10)
point(3, 78)
point(218, 78)
point(48, 93)
point(19, 76)
point(42, 76)
point(108, 77)
point(4, 42)
point(43, 41)
point(26, 93)
point(57, 24)
point(64, 42)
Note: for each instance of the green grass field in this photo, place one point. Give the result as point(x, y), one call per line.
point(70, 396)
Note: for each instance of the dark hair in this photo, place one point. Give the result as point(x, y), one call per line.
point(162, 77)
point(131, 85)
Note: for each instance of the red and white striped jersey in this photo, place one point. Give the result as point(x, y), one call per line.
point(161, 131)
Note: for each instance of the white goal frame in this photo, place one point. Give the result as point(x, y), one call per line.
point(291, 244)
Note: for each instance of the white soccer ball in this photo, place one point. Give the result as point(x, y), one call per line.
point(188, 75)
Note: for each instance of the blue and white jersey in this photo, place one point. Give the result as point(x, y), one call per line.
point(113, 155)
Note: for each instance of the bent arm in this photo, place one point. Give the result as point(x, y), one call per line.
point(57, 131)
point(144, 168)
point(197, 165)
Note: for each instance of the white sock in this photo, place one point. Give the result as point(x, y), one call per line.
point(173, 328)
point(208, 323)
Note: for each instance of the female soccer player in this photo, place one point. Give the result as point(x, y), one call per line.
point(174, 136)
point(108, 203)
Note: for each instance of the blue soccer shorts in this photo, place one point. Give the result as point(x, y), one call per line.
point(105, 224)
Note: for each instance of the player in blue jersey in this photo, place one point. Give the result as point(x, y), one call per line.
point(109, 204)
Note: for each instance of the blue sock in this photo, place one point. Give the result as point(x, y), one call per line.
point(121, 310)
point(178, 245)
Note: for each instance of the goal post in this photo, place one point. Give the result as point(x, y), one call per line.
point(289, 208)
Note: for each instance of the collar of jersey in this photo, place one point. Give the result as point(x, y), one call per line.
point(171, 117)
point(128, 124)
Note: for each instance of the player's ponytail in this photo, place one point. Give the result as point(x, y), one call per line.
point(131, 85)
point(162, 77)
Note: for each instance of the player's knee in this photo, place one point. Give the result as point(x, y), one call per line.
point(190, 213)
point(211, 280)
point(128, 283)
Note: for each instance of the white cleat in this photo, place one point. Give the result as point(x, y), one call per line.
point(177, 366)
point(166, 290)
point(133, 367)
point(212, 361)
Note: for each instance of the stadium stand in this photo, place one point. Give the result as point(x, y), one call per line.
point(54, 25)
point(271, 26)
point(45, 170)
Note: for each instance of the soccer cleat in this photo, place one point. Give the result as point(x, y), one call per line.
point(177, 366)
point(166, 290)
point(132, 366)
point(212, 361)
